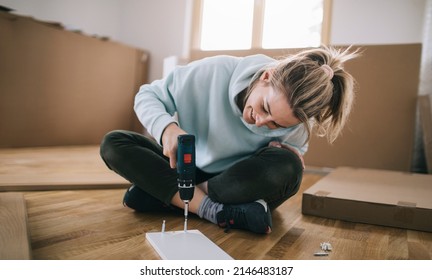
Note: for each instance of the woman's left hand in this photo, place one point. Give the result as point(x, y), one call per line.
point(283, 146)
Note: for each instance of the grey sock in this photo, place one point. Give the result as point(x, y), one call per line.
point(208, 209)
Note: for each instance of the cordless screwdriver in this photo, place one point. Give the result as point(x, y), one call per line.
point(186, 170)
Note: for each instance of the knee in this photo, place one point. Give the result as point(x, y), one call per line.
point(110, 142)
point(284, 170)
point(292, 168)
point(281, 161)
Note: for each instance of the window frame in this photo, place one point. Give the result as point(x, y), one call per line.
point(257, 28)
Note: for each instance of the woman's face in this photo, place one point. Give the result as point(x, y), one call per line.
point(266, 106)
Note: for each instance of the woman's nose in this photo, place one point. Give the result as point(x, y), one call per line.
point(260, 120)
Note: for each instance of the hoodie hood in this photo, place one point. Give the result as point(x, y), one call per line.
point(246, 71)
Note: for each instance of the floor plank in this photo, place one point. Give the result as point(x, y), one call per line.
point(48, 168)
point(14, 237)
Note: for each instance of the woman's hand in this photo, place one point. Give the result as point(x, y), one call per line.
point(169, 142)
point(283, 146)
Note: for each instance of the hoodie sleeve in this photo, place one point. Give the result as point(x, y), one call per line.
point(155, 106)
point(190, 85)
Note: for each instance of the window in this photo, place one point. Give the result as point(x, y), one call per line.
point(223, 28)
point(258, 24)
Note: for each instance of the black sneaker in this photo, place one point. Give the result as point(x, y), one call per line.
point(137, 199)
point(254, 216)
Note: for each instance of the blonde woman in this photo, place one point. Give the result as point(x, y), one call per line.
point(252, 118)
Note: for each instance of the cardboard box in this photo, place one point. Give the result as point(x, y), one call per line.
point(387, 198)
point(425, 113)
point(375, 136)
point(61, 88)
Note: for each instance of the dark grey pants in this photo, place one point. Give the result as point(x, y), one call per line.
point(272, 174)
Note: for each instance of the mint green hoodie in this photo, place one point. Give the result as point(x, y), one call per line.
point(203, 94)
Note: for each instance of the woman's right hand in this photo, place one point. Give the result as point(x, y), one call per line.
point(169, 142)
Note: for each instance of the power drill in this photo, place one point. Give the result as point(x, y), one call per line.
point(186, 170)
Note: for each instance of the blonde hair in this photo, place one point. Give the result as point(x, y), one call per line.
point(318, 88)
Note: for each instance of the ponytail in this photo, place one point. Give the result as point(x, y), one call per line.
point(318, 88)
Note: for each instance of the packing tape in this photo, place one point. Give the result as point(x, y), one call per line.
point(322, 193)
point(406, 204)
point(318, 200)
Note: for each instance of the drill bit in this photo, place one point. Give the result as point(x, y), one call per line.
point(186, 211)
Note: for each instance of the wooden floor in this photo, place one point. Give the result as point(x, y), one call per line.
point(93, 224)
point(86, 223)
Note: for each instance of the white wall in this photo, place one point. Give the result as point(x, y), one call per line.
point(159, 25)
point(377, 21)
point(94, 17)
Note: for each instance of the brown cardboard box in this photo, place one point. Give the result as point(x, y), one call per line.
point(60, 88)
point(388, 198)
point(425, 113)
point(380, 131)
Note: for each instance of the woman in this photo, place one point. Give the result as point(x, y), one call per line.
point(252, 118)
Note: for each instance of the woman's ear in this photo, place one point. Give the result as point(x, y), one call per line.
point(267, 75)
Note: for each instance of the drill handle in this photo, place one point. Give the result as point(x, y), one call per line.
point(186, 166)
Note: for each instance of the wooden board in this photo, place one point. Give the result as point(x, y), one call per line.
point(79, 167)
point(14, 236)
point(425, 108)
point(185, 245)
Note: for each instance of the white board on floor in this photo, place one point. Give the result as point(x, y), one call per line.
point(185, 245)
